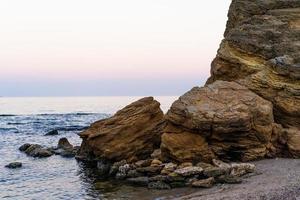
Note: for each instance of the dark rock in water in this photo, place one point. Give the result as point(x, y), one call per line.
point(53, 132)
point(24, 147)
point(64, 149)
point(35, 150)
point(133, 133)
point(159, 185)
point(14, 165)
point(139, 181)
point(63, 143)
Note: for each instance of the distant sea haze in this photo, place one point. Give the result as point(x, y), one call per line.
point(62, 105)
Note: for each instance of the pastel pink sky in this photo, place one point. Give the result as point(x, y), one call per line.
point(54, 41)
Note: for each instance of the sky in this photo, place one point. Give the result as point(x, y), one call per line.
point(107, 47)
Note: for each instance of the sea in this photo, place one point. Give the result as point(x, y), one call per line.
point(28, 119)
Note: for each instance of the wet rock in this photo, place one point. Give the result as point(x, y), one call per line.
point(205, 183)
point(51, 133)
point(64, 143)
point(139, 181)
point(159, 185)
point(133, 133)
point(36, 150)
point(189, 171)
point(24, 147)
point(14, 165)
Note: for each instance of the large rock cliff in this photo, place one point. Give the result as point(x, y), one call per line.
point(250, 106)
point(261, 51)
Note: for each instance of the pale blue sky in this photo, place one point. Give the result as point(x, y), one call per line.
point(100, 47)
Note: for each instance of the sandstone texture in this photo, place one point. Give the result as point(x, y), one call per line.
point(250, 107)
point(132, 133)
point(223, 119)
point(261, 51)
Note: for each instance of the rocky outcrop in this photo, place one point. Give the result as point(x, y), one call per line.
point(254, 78)
point(223, 119)
point(261, 51)
point(132, 133)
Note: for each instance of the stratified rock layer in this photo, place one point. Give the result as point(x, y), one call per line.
point(261, 51)
point(132, 133)
point(223, 119)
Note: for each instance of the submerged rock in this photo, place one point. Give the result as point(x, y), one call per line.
point(133, 133)
point(51, 133)
point(14, 165)
point(35, 150)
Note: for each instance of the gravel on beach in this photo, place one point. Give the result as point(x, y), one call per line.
point(275, 179)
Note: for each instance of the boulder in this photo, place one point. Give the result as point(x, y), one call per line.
point(64, 143)
point(133, 133)
point(35, 150)
point(223, 119)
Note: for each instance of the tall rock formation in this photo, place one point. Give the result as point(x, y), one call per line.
point(261, 51)
point(255, 76)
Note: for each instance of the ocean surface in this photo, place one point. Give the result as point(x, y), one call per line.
point(26, 120)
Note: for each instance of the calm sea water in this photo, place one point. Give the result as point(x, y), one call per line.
point(26, 120)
